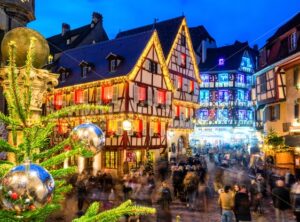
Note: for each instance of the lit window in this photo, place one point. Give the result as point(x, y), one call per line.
point(157, 129)
point(292, 41)
point(223, 77)
point(138, 127)
point(240, 78)
point(187, 113)
point(112, 126)
point(205, 77)
point(142, 94)
point(78, 96)
point(183, 60)
point(177, 111)
point(221, 61)
point(222, 114)
point(203, 114)
point(161, 97)
point(240, 95)
point(242, 114)
point(204, 95)
point(107, 93)
point(111, 159)
point(57, 101)
point(180, 80)
point(192, 85)
point(84, 71)
point(223, 96)
point(211, 114)
point(112, 65)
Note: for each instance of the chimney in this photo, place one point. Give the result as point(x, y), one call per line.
point(65, 28)
point(255, 47)
point(97, 17)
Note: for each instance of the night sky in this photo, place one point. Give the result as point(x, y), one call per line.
point(226, 20)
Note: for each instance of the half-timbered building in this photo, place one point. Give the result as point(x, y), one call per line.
point(182, 64)
point(226, 112)
point(129, 75)
point(276, 90)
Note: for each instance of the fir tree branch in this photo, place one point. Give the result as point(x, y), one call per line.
point(7, 120)
point(6, 147)
point(67, 110)
point(60, 158)
point(63, 172)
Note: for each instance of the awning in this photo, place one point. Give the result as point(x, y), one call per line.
point(292, 141)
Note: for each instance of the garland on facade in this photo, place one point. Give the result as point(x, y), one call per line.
point(34, 146)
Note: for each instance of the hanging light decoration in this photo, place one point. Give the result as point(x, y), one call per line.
point(127, 125)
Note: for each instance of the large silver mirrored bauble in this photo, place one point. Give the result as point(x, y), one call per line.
point(26, 187)
point(91, 135)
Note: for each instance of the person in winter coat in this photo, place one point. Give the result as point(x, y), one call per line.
point(281, 201)
point(242, 205)
point(190, 184)
point(81, 194)
point(295, 199)
point(164, 201)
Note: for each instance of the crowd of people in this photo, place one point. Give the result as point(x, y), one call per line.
point(188, 181)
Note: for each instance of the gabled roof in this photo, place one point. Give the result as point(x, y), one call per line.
point(167, 31)
point(198, 34)
point(232, 55)
point(58, 43)
point(294, 22)
point(129, 47)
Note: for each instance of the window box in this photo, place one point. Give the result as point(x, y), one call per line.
point(156, 135)
point(187, 119)
point(143, 103)
point(137, 134)
point(161, 106)
point(191, 92)
point(176, 118)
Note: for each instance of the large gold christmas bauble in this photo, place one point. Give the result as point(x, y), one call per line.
point(22, 36)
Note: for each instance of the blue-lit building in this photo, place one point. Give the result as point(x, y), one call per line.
point(226, 114)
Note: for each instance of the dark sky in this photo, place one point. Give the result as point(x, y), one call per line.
point(226, 20)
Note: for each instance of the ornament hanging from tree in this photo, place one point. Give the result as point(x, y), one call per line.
point(26, 187)
point(90, 135)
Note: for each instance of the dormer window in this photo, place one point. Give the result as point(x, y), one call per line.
point(85, 68)
point(63, 77)
point(64, 73)
point(221, 61)
point(113, 61)
point(292, 41)
point(68, 41)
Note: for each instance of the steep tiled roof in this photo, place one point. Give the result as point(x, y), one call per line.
point(58, 43)
point(198, 34)
point(293, 22)
point(129, 48)
point(167, 31)
point(232, 55)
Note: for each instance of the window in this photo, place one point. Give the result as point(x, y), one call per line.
point(84, 71)
point(183, 60)
point(192, 86)
point(246, 64)
point(223, 77)
point(274, 112)
point(249, 80)
point(211, 114)
point(187, 113)
point(205, 77)
point(240, 95)
point(152, 66)
point(78, 96)
point(107, 93)
point(138, 127)
point(204, 95)
point(221, 61)
point(142, 93)
point(180, 82)
point(263, 83)
point(112, 126)
point(62, 127)
point(222, 114)
point(161, 97)
point(240, 78)
point(296, 111)
point(203, 114)
point(177, 111)
point(183, 40)
point(112, 65)
point(249, 115)
point(296, 77)
point(57, 101)
point(223, 96)
point(111, 159)
point(242, 114)
point(292, 41)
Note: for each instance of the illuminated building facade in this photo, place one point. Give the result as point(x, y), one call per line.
point(226, 114)
point(277, 83)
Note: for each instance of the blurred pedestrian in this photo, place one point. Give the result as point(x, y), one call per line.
point(81, 194)
point(226, 203)
point(281, 201)
point(295, 199)
point(242, 205)
point(190, 184)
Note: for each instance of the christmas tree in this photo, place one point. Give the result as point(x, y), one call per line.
point(30, 135)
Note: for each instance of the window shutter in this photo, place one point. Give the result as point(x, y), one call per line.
point(155, 102)
point(296, 76)
point(85, 96)
point(150, 96)
point(99, 95)
point(179, 59)
point(115, 94)
point(120, 128)
point(151, 129)
point(169, 98)
point(277, 112)
point(176, 82)
point(72, 98)
point(135, 93)
point(144, 127)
